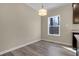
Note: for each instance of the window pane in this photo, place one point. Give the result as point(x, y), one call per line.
point(55, 21)
point(54, 30)
point(51, 21)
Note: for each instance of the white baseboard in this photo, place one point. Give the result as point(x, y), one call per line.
point(14, 48)
point(58, 42)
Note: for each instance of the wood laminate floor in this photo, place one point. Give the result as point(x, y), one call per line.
point(41, 48)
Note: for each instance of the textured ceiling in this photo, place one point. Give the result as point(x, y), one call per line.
point(48, 6)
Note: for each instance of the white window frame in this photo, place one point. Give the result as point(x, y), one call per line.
point(48, 26)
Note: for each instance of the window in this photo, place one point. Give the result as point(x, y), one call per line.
point(54, 25)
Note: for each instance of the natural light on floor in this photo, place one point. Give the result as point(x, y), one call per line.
point(70, 49)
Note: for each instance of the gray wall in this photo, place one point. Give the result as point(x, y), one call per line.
point(66, 25)
point(19, 24)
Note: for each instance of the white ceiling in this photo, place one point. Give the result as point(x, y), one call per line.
point(48, 6)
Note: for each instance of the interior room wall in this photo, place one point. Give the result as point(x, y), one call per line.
point(66, 25)
point(19, 24)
